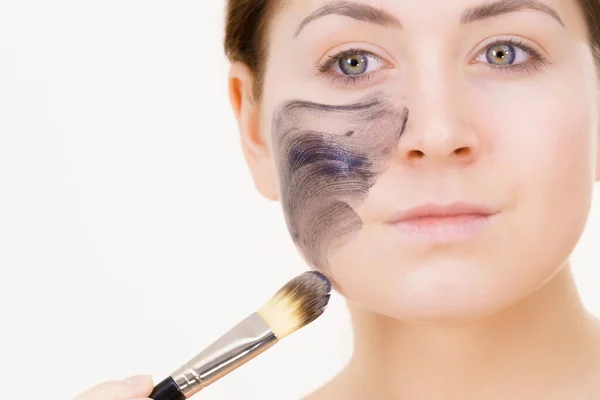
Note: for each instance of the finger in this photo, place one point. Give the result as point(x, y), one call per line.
point(142, 385)
point(130, 388)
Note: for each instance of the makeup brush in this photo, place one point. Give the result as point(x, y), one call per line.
point(295, 305)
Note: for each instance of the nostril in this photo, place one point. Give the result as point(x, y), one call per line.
point(415, 154)
point(463, 151)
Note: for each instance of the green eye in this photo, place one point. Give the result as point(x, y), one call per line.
point(354, 64)
point(351, 65)
point(501, 54)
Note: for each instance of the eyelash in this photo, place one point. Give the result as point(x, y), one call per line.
point(537, 60)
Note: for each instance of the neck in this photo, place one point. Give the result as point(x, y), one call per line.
point(530, 350)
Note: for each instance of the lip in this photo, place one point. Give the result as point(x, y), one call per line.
point(440, 223)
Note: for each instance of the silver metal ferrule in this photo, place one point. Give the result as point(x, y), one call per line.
point(243, 342)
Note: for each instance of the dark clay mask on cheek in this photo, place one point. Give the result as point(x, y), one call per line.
point(329, 157)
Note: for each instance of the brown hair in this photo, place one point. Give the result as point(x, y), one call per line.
point(591, 9)
point(246, 29)
point(247, 24)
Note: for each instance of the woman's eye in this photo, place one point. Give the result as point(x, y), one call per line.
point(354, 64)
point(504, 54)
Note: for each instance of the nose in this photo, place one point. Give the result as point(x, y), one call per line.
point(438, 127)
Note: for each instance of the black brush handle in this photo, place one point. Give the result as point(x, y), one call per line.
point(167, 390)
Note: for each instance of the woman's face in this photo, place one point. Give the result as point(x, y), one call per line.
point(434, 158)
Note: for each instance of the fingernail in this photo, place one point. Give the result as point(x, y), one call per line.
point(137, 380)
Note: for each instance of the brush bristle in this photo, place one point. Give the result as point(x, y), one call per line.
point(297, 304)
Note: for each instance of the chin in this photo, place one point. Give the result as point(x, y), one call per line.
point(450, 292)
point(445, 289)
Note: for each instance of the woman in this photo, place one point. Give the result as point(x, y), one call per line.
point(436, 160)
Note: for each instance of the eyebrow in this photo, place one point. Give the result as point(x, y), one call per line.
point(493, 9)
point(378, 16)
point(355, 10)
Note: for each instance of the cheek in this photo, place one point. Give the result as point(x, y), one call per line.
point(542, 138)
point(328, 158)
point(319, 175)
point(541, 149)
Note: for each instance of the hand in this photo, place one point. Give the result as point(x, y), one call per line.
point(134, 388)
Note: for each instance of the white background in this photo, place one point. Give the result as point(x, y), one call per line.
point(131, 234)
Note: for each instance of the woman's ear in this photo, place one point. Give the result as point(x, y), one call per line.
point(254, 144)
